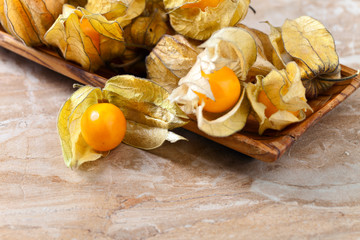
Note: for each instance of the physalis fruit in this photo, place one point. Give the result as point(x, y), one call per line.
point(103, 126)
point(226, 89)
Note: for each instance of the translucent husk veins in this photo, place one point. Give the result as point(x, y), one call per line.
point(198, 24)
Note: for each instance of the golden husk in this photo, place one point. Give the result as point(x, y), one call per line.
point(148, 112)
point(28, 20)
point(200, 25)
point(170, 60)
point(306, 41)
point(286, 92)
point(75, 45)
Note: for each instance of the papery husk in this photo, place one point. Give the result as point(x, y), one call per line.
point(227, 123)
point(146, 31)
point(74, 45)
point(230, 47)
point(74, 148)
point(285, 90)
point(170, 60)
point(28, 20)
point(148, 112)
point(105, 6)
point(280, 57)
point(157, 6)
point(3, 20)
point(200, 25)
point(320, 59)
point(121, 11)
point(306, 41)
point(263, 64)
point(311, 45)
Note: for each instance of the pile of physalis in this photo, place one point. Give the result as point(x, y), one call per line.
point(242, 71)
point(201, 64)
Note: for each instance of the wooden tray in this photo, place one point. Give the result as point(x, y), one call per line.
point(267, 147)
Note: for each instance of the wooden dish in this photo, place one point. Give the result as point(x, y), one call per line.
point(268, 147)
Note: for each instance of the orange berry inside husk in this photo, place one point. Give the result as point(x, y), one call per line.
point(226, 89)
point(89, 31)
point(103, 126)
point(270, 107)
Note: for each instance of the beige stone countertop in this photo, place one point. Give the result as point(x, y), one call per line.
point(187, 190)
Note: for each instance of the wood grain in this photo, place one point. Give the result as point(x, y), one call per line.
point(268, 147)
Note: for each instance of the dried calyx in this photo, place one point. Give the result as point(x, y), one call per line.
point(149, 116)
point(28, 20)
point(306, 41)
point(199, 19)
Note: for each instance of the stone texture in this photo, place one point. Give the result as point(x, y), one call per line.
point(187, 190)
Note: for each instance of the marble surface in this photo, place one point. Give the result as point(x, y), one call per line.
point(187, 190)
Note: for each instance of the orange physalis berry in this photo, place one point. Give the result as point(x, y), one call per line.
point(89, 31)
point(226, 89)
point(103, 126)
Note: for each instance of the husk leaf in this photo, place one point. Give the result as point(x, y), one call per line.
point(153, 6)
point(134, 9)
point(121, 11)
point(74, 148)
point(263, 64)
point(311, 45)
point(306, 41)
point(314, 52)
point(146, 31)
point(28, 20)
point(228, 123)
point(316, 86)
point(75, 45)
point(280, 57)
point(200, 25)
point(170, 60)
point(146, 108)
point(106, 6)
point(3, 19)
point(231, 47)
point(286, 92)
point(19, 22)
